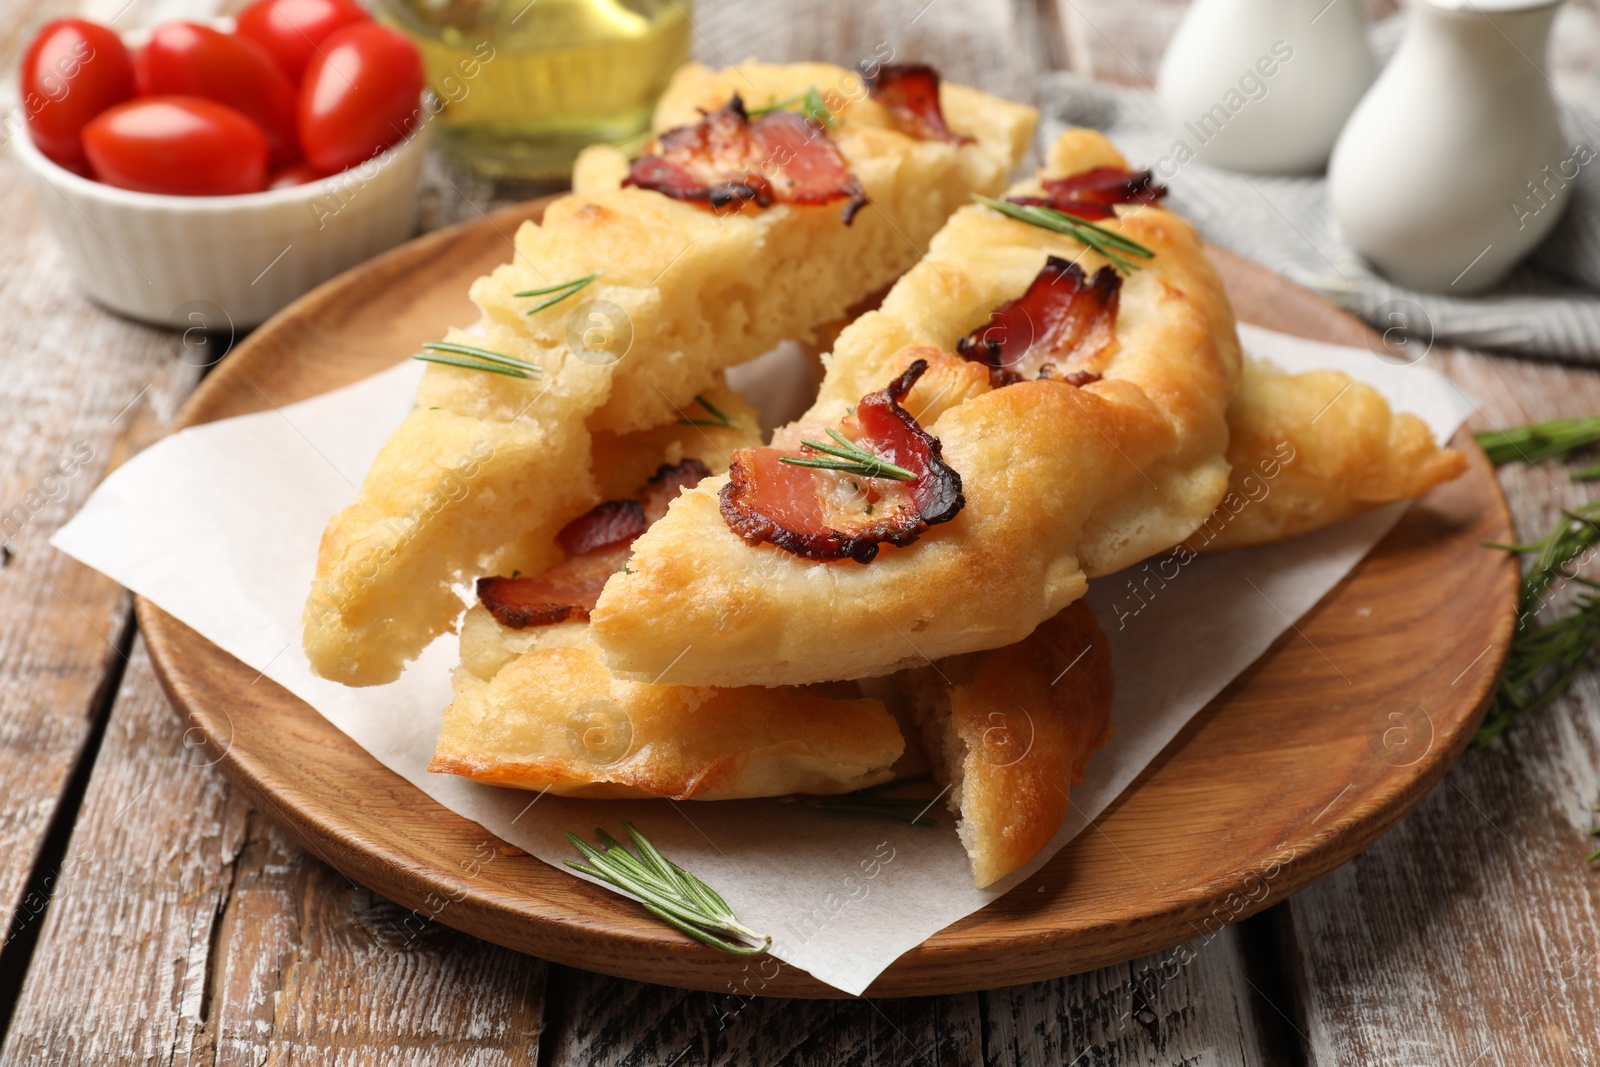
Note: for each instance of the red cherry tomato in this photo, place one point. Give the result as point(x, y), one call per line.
point(181, 145)
point(290, 30)
point(359, 96)
point(293, 174)
point(184, 59)
point(72, 71)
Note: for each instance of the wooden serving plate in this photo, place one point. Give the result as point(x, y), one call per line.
point(1291, 771)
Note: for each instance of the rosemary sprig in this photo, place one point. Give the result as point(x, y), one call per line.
point(562, 291)
point(1542, 440)
point(469, 358)
point(1109, 243)
point(849, 457)
point(873, 801)
point(811, 104)
point(1544, 659)
point(719, 417)
point(666, 890)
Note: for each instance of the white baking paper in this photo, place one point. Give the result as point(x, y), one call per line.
point(218, 525)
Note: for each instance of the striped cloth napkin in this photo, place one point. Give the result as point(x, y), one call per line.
point(1549, 307)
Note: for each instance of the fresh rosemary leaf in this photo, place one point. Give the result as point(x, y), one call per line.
point(757, 112)
point(1545, 658)
point(470, 364)
point(562, 291)
point(874, 801)
point(815, 108)
point(849, 457)
point(666, 890)
point(1542, 440)
point(812, 106)
point(482, 354)
point(719, 417)
point(1109, 243)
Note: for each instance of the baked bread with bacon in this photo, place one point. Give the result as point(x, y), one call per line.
point(774, 199)
point(1045, 398)
point(534, 707)
point(1086, 447)
point(1010, 731)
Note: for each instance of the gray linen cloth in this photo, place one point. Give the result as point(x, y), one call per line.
point(1549, 307)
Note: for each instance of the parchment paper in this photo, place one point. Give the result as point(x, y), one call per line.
point(218, 525)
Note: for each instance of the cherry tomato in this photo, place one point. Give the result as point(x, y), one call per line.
point(290, 30)
point(72, 71)
point(359, 96)
point(293, 174)
point(181, 145)
point(185, 59)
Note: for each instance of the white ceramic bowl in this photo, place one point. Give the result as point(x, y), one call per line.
point(225, 260)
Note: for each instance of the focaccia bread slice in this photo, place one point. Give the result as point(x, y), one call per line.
point(1010, 732)
point(1060, 481)
point(381, 585)
point(535, 709)
point(488, 466)
point(1311, 449)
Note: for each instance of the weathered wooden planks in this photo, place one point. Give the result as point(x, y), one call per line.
point(187, 930)
point(1471, 933)
point(81, 390)
point(1196, 1003)
point(611, 1021)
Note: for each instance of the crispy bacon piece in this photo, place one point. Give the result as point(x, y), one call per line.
point(1064, 319)
point(566, 591)
point(605, 524)
point(831, 515)
point(728, 161)
point(1094, 194)
point(665, 485)
point(597, 544)
point(911, 93)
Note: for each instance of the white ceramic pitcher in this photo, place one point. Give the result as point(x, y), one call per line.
point(1264, 86)
point(1454, 167)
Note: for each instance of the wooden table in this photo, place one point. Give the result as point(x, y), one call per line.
point(159, 919)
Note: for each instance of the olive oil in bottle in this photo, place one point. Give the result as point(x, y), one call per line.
point(522, 85)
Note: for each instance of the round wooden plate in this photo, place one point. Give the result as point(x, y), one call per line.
point(1291, 771)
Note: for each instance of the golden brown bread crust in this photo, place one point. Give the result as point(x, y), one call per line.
point(497, 493)
point(1310, 449)
point(697, 293)
point(1011, 732)
point(1061, 482)
point(554, 718)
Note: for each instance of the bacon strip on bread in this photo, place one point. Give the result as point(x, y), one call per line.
point(598, 544)
point(1059, 328)
point(729, 161)
point(828, 514)
point(1094, 193)
point(910, 92)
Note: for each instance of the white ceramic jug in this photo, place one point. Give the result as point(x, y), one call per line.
point(1454, 166)
point(1264, 86)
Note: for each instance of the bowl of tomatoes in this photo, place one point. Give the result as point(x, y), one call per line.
point(213, 172)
